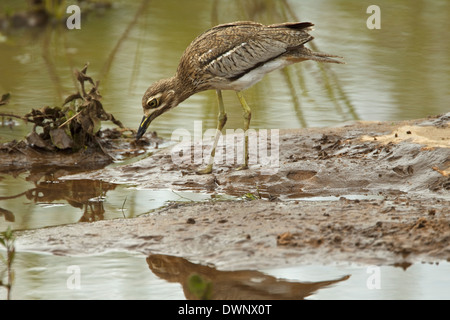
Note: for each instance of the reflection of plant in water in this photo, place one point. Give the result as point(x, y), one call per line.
point(200, 287)
point(7, 241)
point(88, 195)
point(82, 194)
point(3, 101)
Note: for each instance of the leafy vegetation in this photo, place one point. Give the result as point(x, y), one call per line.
point(73, 126)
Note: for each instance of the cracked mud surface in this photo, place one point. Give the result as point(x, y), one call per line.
point(384, 193)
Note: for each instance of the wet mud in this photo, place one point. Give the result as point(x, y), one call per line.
point(368, 192)
point(111, 145)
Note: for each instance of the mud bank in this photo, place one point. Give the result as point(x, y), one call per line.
point(369, 192)
point(411, 157)
point(256, 234)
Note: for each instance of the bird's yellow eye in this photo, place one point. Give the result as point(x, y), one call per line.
point(152, 103)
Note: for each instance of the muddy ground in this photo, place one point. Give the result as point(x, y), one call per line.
point(367, 192)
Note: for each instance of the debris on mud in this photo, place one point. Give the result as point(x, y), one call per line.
point(71, 134)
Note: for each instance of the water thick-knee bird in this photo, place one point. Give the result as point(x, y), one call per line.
point(232, 56)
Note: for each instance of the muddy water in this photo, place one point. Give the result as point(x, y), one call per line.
point(398, 72)
point(133, 276)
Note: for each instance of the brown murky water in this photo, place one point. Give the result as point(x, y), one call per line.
point(398, 72)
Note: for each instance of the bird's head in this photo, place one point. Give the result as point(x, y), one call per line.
point(159, 98)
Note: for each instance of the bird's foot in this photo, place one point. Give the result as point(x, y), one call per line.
point(206, 170)
point(243, 167)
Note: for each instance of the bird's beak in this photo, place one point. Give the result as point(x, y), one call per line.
point(143, 126)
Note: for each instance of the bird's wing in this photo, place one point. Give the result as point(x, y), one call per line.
point(232, 50)
point(244, 57)
point(236, 48)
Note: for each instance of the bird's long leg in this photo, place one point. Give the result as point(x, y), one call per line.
point(247, 118)
point(221, 120)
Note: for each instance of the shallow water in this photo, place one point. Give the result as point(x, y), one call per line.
point(401, 71)
point(119, 275)
point(57, 202)
point(128, 275)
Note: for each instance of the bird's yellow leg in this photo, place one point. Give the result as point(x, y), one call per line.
point(221, 120)
point(247, 118)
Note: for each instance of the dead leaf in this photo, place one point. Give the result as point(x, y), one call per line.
point(72, 97)
point(61, 139)
point(35, 140)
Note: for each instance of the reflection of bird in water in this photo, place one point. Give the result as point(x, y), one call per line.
point(242, 284)
point(231, 56)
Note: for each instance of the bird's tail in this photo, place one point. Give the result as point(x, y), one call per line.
point(307, 54)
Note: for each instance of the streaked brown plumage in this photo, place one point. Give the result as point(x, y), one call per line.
point(231, 56)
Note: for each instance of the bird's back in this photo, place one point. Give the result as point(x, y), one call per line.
point(228, 51)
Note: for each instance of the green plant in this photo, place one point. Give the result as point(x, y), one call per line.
point(7, 240)
point(251, 196)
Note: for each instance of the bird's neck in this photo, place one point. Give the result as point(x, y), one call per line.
point(183, 86)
